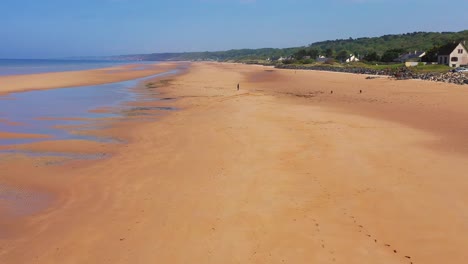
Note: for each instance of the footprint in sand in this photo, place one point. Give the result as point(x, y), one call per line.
point(323, 244)
point(362, 228)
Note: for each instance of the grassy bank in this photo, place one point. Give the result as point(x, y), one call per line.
point(432, 68)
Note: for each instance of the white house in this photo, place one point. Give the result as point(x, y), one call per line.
point(321, 58)
point(453, 54)
point(352, 58)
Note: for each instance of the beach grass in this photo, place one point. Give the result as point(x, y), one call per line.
point(439, 68)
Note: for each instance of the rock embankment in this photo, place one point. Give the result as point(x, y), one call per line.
point(357, 70)
point(448, 77)
point(399, 74)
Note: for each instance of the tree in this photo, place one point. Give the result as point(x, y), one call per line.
point(391, 54)
point(372, 57)
point(313, 53)
point(431, 55)
point(329, 53)
point(300, 54)
point(342, 55)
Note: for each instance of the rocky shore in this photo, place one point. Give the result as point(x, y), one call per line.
point(448, 77)
point(399, 74)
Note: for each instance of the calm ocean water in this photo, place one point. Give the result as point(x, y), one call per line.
point(15, 67)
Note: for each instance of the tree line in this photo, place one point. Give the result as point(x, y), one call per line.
point(384, 48)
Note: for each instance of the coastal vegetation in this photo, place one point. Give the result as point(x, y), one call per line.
point(422, 41)
point(371, 49)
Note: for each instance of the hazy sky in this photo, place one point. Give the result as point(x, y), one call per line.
point(58, 28)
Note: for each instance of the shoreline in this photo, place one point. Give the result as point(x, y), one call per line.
point(53, 80)
point(281, 171)
point(85, 107)
point(65, 148)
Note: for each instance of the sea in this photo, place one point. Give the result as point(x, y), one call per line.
point(32, 66)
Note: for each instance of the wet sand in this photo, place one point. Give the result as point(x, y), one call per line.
point(8, 135)
point(282, 171)
point(15, 83)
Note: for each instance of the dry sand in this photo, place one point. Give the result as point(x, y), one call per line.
point(282, 171)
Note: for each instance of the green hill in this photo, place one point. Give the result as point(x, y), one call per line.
point(236, 55)
point(421, 41)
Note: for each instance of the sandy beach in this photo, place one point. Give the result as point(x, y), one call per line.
point(296, 167)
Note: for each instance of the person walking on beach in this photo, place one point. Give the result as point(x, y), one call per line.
point(238, 87)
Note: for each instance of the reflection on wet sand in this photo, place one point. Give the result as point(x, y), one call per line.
point(59, 114)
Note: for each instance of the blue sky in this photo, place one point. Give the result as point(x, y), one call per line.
point(60, 28)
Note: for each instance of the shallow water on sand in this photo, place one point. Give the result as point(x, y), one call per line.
point(53, 112)
point(63, 114)
point(21, 66)
point(19, 202)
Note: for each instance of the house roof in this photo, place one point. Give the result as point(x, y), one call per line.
point(411, 56)
point(448, 48)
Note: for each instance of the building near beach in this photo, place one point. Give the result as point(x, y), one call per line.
point(414, 56)
point(453, 54)
point(352, 58)
point(321, 58)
